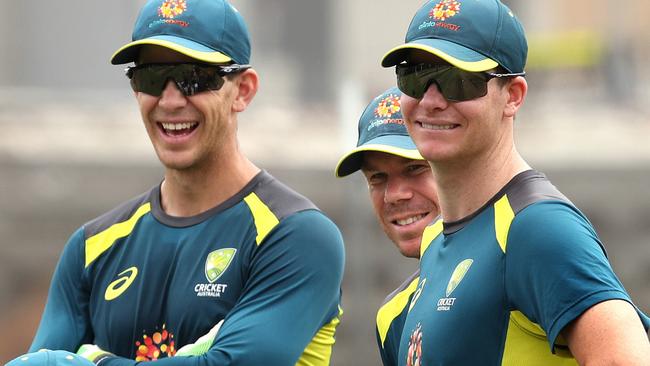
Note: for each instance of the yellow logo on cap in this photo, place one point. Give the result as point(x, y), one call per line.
point(172, 8)
point(445, 9)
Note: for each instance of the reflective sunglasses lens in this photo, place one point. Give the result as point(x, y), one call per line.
point(193, 79)
point(454, 84)
point(148, 80)
point(458, 85)
point(190, 79)
point(411, 85)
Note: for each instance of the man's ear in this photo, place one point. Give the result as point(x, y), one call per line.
point(247, 84)
point(517, 89)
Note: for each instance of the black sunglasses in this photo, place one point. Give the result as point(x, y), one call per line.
point(189, 78)
point(454, 84)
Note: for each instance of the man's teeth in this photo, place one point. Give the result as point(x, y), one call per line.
point(437, 127)
point(410, 220)
point(178, 126)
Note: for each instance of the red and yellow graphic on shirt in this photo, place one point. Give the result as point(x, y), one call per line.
point(445, 9)
point(414, 354)
point(388, 106)
point(172, 8)
point(158, 345)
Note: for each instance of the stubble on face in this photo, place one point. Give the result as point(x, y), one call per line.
point(213, 134)
point(404, 198)
point(478, 125)
point(407, 240)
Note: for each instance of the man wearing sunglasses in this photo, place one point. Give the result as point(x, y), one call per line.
point(513, 273)
point(218, 241)
point(403, 195)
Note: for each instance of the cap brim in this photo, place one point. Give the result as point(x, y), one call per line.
point(129, 53)
point(457, 55)
point(46, 357)
point(395, 145)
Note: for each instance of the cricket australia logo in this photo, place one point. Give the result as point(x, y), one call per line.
point(215, 265)
point(445, 303)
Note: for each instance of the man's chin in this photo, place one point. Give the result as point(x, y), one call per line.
point(409, 248)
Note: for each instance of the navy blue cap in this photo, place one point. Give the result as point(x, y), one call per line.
point(210, 31)
point(469, 34)
point(381, 128)
point(50, 358)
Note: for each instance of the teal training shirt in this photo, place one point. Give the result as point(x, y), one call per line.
point(141, 284)
point(497, 287)
point(390, 320)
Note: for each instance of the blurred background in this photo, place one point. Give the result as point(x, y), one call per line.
point(73, 146)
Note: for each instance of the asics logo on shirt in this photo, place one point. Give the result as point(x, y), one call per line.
point(117, 287)
point(417, 293)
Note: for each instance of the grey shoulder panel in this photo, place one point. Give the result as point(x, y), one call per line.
point(530, 187)
point(401, 287)
point(119, 214)
point(523, 190)
point(279, 198)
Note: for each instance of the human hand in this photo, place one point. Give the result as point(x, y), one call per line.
point(202, 345)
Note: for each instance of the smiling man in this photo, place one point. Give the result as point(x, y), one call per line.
point(513, 273)
point(403, 195)
point(219, 241)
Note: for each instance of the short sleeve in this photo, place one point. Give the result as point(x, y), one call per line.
point(556, 267)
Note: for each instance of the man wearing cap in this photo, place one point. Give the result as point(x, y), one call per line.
point(219, 241)
point(403, 195)
point(513, 273)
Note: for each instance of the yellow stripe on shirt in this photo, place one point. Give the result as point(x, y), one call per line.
point(319, 351)
point(430, 233)
point(99, 243)
point(393, 308)
point(265, 220)
point(503, 216)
